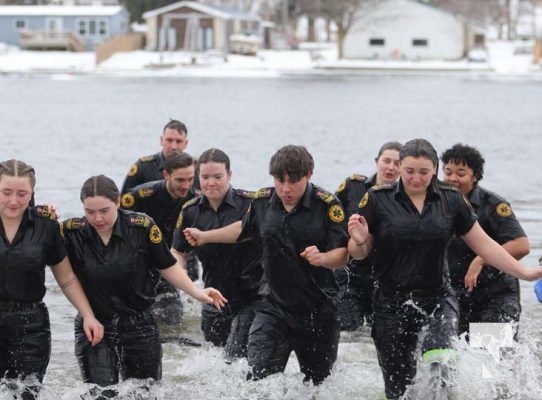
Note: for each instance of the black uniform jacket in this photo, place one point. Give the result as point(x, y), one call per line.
point(498, 220)
point(234, 269)
point(153, 199)
point(117, 278)
point(410, 247)
point(318, 220)
point(146, 169)
point(36, 244)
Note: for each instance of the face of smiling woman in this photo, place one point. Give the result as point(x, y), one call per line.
point(15, 195)
point(416, 174)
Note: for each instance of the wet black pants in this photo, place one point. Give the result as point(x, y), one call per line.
point(406, 323)
point(312, 335)
point(131, 347)
point(25, 342)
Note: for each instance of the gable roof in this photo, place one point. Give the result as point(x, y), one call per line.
point(60, 11)
point(213, 10)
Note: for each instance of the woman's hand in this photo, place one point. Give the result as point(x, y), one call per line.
point(94, 330)
point(194, 236)
point(212, 296)
point(471, 277)
point(358, 229)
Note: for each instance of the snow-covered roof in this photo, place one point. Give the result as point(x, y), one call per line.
point(215, 11)
point(60, 11)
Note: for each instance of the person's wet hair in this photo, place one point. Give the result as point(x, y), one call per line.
point(176, 125)
point(214, 155)
point(18, 168)
point(100, 185)
point(178, 160)
point(389, 146)
point(419, 148)
point(292, 160)
point(467, 155)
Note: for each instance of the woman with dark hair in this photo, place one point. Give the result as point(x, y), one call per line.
point(235, 269)
point(113, 252)
point(30, 240)
point(485, 294)
point(409, 225)
point(356, 281)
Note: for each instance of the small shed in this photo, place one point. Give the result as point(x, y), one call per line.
point(61, 27)
point(410, 30)
point(195, 26)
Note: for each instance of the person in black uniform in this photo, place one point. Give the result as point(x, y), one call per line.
point(174, 138)
point(30, 240)
point(113, 252)
point(485, 294)
point(234, 269)
point(162, 200)
point(302, 230)
point(409, 225)
point(356, 281)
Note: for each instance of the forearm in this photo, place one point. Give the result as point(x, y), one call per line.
point(517, 248)
point(336, 258)
point(177, 276)
point(227, 234)
point(359, 251)
point(74, 292)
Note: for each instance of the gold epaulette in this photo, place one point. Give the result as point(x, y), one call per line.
point(193, 200)
point(324, 195)
point(73, 224)
point(147, 158)
point(381, 186)
point(247, 194)
point(44, 212)
point(358, 177)
point(138, 219)
point(264, 193)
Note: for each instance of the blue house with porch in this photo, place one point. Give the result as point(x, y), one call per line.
point(76, 28)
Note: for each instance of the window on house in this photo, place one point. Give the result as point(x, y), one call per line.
point(82, 28)
point(377, 42)
point(20, 24)
point(102, 28)
point(92, 27)
point(419, 42)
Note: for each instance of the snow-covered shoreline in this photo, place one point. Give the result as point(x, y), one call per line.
point(311, 58)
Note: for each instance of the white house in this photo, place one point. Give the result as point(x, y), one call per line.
point(410, 30)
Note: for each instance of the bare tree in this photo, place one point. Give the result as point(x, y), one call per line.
point(344, 13)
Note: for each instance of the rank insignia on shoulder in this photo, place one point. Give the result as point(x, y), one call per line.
point(127, 200)
point(364, 200)
point(380, 186)
point(179, 220)
point(193, 200)
point(264, 193)
point(139, 220)
point(247, 194)
point(155, 235)
point(341, 187)
point(358, 177)
point(503, 210)
point(336, 213)
point(326, 197)
point(133, 170)
point(44, 212)
point(73, 224)
point(145, 192)
point(146, 158)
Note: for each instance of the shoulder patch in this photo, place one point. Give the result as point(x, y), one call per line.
point(264, 193)
point(336, 213)
point(155, 235)
point(127, 200)
point(44, 212)
point(133, 170)
point(139, 220)
point(503, 210)
point(326, 197)
point(147, 158)
point(145, 192)
point(358, 177)
point(381, 186)
point(73, 224)
point(341, 187)
point(364, 200)
point(179, 222)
